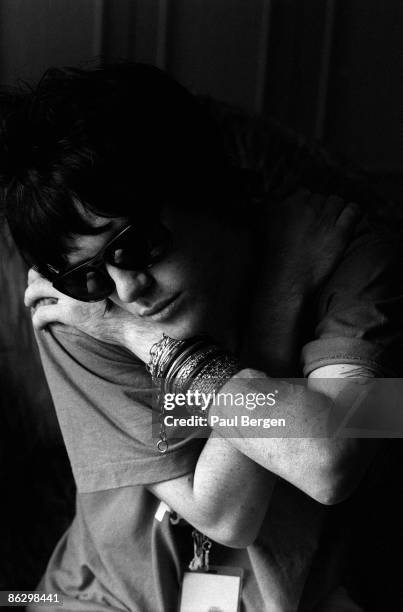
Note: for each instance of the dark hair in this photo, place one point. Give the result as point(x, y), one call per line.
point(122, 140)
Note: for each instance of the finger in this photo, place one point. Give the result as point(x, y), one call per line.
point(43, 302)
point(39, 289)
point(44, 315)
point(33, 275)
point(349, 216)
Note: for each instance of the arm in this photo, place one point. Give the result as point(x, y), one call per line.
point(226, 494)
point(327, 469)
point(226, 497)
point(357, 321)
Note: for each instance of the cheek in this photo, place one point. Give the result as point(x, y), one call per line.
point(192, 271)
point(173, 274)
point(196, 264)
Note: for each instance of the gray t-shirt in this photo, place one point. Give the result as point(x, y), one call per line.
point(117, 554)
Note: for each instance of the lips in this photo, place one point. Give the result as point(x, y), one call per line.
point(160, 308)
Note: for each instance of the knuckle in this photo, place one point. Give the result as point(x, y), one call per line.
point(29, 297)
point(33, 275)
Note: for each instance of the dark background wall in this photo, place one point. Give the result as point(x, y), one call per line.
point(329, 68)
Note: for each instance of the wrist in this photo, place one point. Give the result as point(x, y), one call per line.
point(138, 341)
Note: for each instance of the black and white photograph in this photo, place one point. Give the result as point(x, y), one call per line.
point(201, 305)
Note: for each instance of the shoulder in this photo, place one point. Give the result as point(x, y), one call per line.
point(360, 308)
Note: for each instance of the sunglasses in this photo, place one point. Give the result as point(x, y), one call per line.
point(130, 249)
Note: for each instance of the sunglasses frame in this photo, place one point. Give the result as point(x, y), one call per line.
point(95, 263)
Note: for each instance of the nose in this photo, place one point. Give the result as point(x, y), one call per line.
point(130, 284)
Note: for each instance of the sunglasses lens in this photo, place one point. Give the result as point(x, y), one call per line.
point(135, 250)
point(131, 251)
point(86, 285)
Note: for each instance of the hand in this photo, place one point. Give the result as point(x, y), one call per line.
point(103, 320)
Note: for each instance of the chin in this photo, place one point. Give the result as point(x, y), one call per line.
point(185, 328)
point(192, 319)
point(190, 322)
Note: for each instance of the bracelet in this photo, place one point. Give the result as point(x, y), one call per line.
point(179, 360)
point(190, 368)
point(192, 365)
point(214, 375)
point(160, 354)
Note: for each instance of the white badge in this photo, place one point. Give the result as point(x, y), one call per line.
point(218, 590)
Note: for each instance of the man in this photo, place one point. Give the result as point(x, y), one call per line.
point(118, 190)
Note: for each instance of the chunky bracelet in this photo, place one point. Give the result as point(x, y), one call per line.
point(160, 354)
point(192, 365)
point(189, 368)
point(180, 362)
point(213, 376)
point(182, 357)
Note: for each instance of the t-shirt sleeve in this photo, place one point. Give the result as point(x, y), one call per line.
point(360, 310)
point(103, 397)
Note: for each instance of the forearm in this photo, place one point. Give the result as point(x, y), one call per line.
point(310, 460)
point(226, 497)
point(235, 489)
